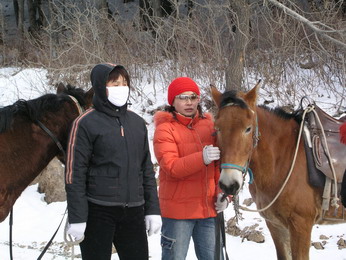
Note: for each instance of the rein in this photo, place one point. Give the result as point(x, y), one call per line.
point(51, 135)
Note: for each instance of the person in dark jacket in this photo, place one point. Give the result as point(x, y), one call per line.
point(110, 181)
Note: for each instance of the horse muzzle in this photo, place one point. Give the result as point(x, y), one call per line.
point(231, 180)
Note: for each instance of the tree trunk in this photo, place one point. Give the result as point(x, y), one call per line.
point(19, 12)
point(235, 69)
point(54, 35)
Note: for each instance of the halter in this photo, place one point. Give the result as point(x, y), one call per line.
point(242, 169)
point(246, 168)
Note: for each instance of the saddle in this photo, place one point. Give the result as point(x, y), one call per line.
point(326, 158)
point(324, 138)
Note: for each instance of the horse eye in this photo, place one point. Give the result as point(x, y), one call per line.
point(248, 130)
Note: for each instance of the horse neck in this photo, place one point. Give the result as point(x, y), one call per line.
point(24, 156)
point(272, 157)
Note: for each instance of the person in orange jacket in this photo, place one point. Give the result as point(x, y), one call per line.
point(184, 146)
point(343, 185)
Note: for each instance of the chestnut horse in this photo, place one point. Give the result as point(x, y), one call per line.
point(264, 140)
point(25, 147)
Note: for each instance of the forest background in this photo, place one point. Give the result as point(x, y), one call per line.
point(294, 46)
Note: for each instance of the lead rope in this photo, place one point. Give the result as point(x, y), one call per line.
point(308, 109)
point(69, 240)
point(335, 200)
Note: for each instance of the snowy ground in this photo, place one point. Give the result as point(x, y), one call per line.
point(35, 222)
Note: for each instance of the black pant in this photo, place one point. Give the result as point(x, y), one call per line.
point(124, 227)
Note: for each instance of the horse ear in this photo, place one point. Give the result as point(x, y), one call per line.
point(60, 87)
point(251, 96)
point(216, 95)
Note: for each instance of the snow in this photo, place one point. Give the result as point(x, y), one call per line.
point(35, 221)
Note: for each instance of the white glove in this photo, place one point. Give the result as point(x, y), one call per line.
point(210, 153)
point(153, 224)
point(76, 230)
point(221, 206)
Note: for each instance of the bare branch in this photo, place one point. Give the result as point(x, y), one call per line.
point(309, 23)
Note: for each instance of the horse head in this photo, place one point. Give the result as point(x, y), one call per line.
point(237, 135)
point(80, 101)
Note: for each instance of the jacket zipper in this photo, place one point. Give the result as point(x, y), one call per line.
point(206, 177)
point(122, 132)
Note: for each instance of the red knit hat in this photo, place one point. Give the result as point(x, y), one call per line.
point(343, 133)
point(181, 85)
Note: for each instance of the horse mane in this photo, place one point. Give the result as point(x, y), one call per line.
point(282, 113)
point(34, 109)
point(231, 98)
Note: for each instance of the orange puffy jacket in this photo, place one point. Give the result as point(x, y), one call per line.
point(188, 187)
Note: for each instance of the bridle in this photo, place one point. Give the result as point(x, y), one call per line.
point(245, 169)
point(51, 135)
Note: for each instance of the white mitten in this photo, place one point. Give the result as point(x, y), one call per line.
point(221, 205)
point(76, 230)
point(210, 153)
point(153, 224)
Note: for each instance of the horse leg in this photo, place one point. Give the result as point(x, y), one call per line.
point(300, 234)
point(281, 239)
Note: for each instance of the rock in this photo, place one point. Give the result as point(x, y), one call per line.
point(51, 182)
point(323, 237)
point(254, 236)
point(341, 243)
point(231, 227)
point(248, 202)
point(317, 245)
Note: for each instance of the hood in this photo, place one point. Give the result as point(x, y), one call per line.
point(99, 76)
point(161, 117)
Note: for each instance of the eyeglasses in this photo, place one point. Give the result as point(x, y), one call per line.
point(185, 97)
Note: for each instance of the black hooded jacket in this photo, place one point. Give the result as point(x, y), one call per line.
point(108, 160)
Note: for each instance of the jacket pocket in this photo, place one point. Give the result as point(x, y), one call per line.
point(103, 181)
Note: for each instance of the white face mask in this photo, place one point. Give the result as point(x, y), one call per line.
point(118, 95)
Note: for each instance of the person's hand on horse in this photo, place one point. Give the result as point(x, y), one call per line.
point(210, 153)
point(76, 230)
point(153, 224)
point(221, 205)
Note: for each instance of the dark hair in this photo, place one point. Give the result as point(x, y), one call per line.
point(119, 71)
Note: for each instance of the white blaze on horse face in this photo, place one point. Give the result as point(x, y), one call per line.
point(231, 180)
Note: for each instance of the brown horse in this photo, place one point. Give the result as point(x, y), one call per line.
point(25, 147)
point(264, 140)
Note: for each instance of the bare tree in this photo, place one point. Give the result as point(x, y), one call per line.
point(318, 27)
point(235, 69)
point(19, 13)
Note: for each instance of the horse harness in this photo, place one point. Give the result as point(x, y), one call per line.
point(245, 169)
point(51, 135)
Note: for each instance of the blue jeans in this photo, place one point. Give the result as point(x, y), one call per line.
point(176, 235)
